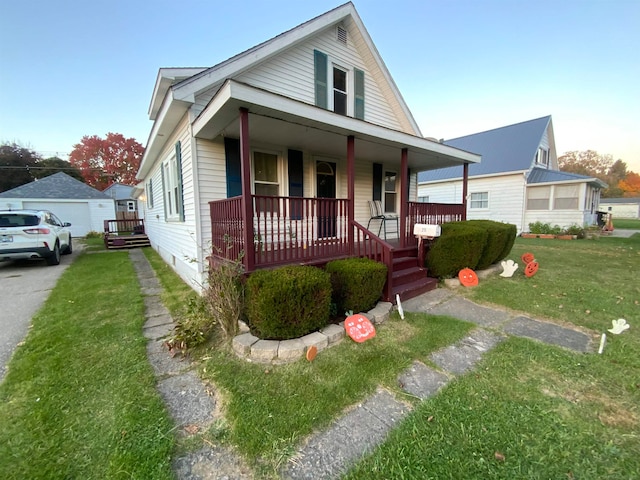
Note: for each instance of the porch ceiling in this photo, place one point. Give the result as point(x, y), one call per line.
point(278, 120)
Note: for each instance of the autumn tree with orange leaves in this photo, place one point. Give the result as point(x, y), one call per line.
point(103, 161)
point(630, 186)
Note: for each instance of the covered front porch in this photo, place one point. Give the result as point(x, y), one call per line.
point(309, 224)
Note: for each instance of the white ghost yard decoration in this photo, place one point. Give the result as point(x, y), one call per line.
point(619, 326)
point(508, 268)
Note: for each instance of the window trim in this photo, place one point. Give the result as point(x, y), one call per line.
point(481, 201)
point(279, 175)
point(347, 93)
point(386, 192)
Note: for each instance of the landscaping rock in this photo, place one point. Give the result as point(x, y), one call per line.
point(334, 333)
point(464, 355)
point(380, 313)
point(549, 333)
point(211, 463)
point(264, 350)
point(464, 309)
point(316, 339)
point(241, 344)
point(291, 349)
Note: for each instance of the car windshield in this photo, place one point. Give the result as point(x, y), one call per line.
point(18, 220)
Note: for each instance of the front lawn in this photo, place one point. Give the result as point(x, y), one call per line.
point(79, 397)
point(531, 410)
point(626, 223)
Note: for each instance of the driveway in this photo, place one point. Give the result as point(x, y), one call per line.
point(25, 286)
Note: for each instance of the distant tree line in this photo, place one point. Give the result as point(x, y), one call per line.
point(621, 182)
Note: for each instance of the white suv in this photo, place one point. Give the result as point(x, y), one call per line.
point(33, 234)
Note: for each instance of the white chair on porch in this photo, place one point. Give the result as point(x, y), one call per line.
point(376, 212)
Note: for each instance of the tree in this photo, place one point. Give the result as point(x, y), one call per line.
point(15, 166)
point(52, 165)
point(630, 186)
point(114, 159)
point(592, 164)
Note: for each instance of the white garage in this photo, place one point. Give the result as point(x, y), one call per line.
point(69, 199)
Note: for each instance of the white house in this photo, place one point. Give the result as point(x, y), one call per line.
point(274, 154)
point(69, 199)
point(518, 180)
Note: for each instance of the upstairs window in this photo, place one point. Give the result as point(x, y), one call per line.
point(339, 91)
point(542, 156)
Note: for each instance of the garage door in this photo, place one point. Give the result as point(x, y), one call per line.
point(76, 213)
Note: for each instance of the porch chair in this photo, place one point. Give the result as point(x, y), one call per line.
point(376, 213)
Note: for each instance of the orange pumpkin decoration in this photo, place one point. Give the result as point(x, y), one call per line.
point(531, 269)
point(312, 352)
point(359, 328)
point(468, 277)
point(527, 258)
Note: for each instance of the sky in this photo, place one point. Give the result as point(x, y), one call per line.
point(72, 68)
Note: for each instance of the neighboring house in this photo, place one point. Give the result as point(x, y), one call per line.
point(621, 207)
point(272, 156)
point(125, 201)
point(69, 199)
point(518, 180)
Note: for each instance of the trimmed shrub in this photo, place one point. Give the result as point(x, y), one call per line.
point(356, 283)
point(512, 233)
point(287, 302)
point(460, 246)
point(498, 237)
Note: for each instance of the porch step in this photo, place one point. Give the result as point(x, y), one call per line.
point(408, 275)
point(415, 288)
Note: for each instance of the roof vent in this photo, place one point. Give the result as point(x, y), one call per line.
point(342, 35)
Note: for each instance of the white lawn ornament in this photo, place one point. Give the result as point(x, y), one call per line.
point(619, 326)
point(508, 268)
point(400, 310)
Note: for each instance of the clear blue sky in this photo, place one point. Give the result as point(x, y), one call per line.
point(75, 68)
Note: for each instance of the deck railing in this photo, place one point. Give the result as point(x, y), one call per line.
point(434, 213)
point(124, 227)
point(227, 225)
point(367, 244)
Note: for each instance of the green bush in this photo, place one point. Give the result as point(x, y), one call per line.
point(459, 246)
point(287, 302)
point(356, 283)
point(499, 237)
point(544, 228)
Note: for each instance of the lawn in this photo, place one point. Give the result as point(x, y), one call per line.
point(532, 410)
point(626, 223)
point(79, 398)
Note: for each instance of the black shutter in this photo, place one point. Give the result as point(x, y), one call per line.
point(233, 167)
point(296, 186)
point(377, 181)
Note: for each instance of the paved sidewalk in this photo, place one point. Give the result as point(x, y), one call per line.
point(330, 453)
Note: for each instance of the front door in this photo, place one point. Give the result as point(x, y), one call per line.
point(326, 188)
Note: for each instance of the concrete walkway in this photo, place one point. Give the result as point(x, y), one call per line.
point(330, 453)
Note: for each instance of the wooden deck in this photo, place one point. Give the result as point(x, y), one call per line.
point(120, 234)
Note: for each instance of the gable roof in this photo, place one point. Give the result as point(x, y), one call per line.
point(173, 96)
point(119, 191)
point(542, 175)
point(56, 186)
point(505, 149)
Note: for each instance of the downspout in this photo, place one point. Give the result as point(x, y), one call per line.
point(249, 258)
point(465, 181)
point(404, 196)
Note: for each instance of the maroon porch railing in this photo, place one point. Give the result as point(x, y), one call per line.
point(285, 229)
point(367, 244)
point(124, 227)
point(434, 213)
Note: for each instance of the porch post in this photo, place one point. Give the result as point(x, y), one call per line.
point(351, 177)
point(404, 196)
point(249, 259)
point(465, 181)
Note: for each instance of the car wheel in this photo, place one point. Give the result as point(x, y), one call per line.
point(69, 249)
point(54, 258)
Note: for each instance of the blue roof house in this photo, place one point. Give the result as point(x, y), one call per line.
point(518, 180)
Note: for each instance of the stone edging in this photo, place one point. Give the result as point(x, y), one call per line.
point(253, 349)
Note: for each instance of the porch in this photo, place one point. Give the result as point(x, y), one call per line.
point(125, 233)
point(314, 231)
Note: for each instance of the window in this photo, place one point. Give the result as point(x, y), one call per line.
point(172, 186)
point(538, 198)
point(542, 156)
point(423, 199)
point(265, 179)
point(150, 193)
point(479, 200)
point(565, 197)
point(390, 194)
point(339, 91)
point(131, 206)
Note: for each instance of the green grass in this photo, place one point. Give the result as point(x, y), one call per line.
point(549, 412)
point(79, 398)
point(626, 223)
